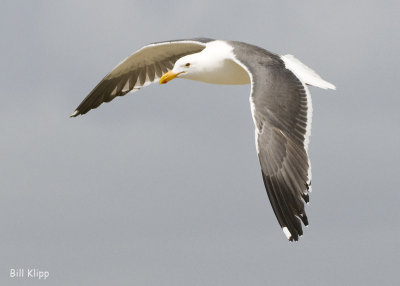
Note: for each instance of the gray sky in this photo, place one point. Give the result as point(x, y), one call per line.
point(163, 186)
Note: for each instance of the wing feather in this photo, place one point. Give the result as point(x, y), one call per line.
point(280, 111)
point(143, 67)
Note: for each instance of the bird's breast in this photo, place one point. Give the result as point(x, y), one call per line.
point(226, 72)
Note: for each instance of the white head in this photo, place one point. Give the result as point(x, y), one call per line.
point(189, 67)
point(214, 64)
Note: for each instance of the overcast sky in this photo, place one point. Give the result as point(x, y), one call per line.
point(163, 186)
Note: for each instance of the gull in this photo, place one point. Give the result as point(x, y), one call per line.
point(280, 104)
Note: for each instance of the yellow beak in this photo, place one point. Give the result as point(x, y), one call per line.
point(168, 76)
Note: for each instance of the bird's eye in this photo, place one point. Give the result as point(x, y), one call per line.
point(187, 65)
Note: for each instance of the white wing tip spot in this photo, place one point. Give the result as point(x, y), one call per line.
point(286, 232)
point(74, 113)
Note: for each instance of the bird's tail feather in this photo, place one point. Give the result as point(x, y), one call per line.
point(304, 73)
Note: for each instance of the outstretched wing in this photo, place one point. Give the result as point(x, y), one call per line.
point(282, 116)
point(143, 67)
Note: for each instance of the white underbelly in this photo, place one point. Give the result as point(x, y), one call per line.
point(227, 73)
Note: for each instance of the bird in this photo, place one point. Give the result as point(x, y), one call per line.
point(280, 104)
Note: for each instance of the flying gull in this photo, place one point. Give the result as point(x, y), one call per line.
point(279, 99)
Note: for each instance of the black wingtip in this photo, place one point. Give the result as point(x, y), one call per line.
point(291, 237)
point(304, 219)
point(306, 198)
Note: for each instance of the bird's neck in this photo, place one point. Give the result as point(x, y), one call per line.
point(217, 66)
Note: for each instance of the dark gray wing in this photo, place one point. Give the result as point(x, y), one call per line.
point(282, 113)
point(143, 67)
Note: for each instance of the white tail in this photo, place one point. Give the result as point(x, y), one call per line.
point(304, 73)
